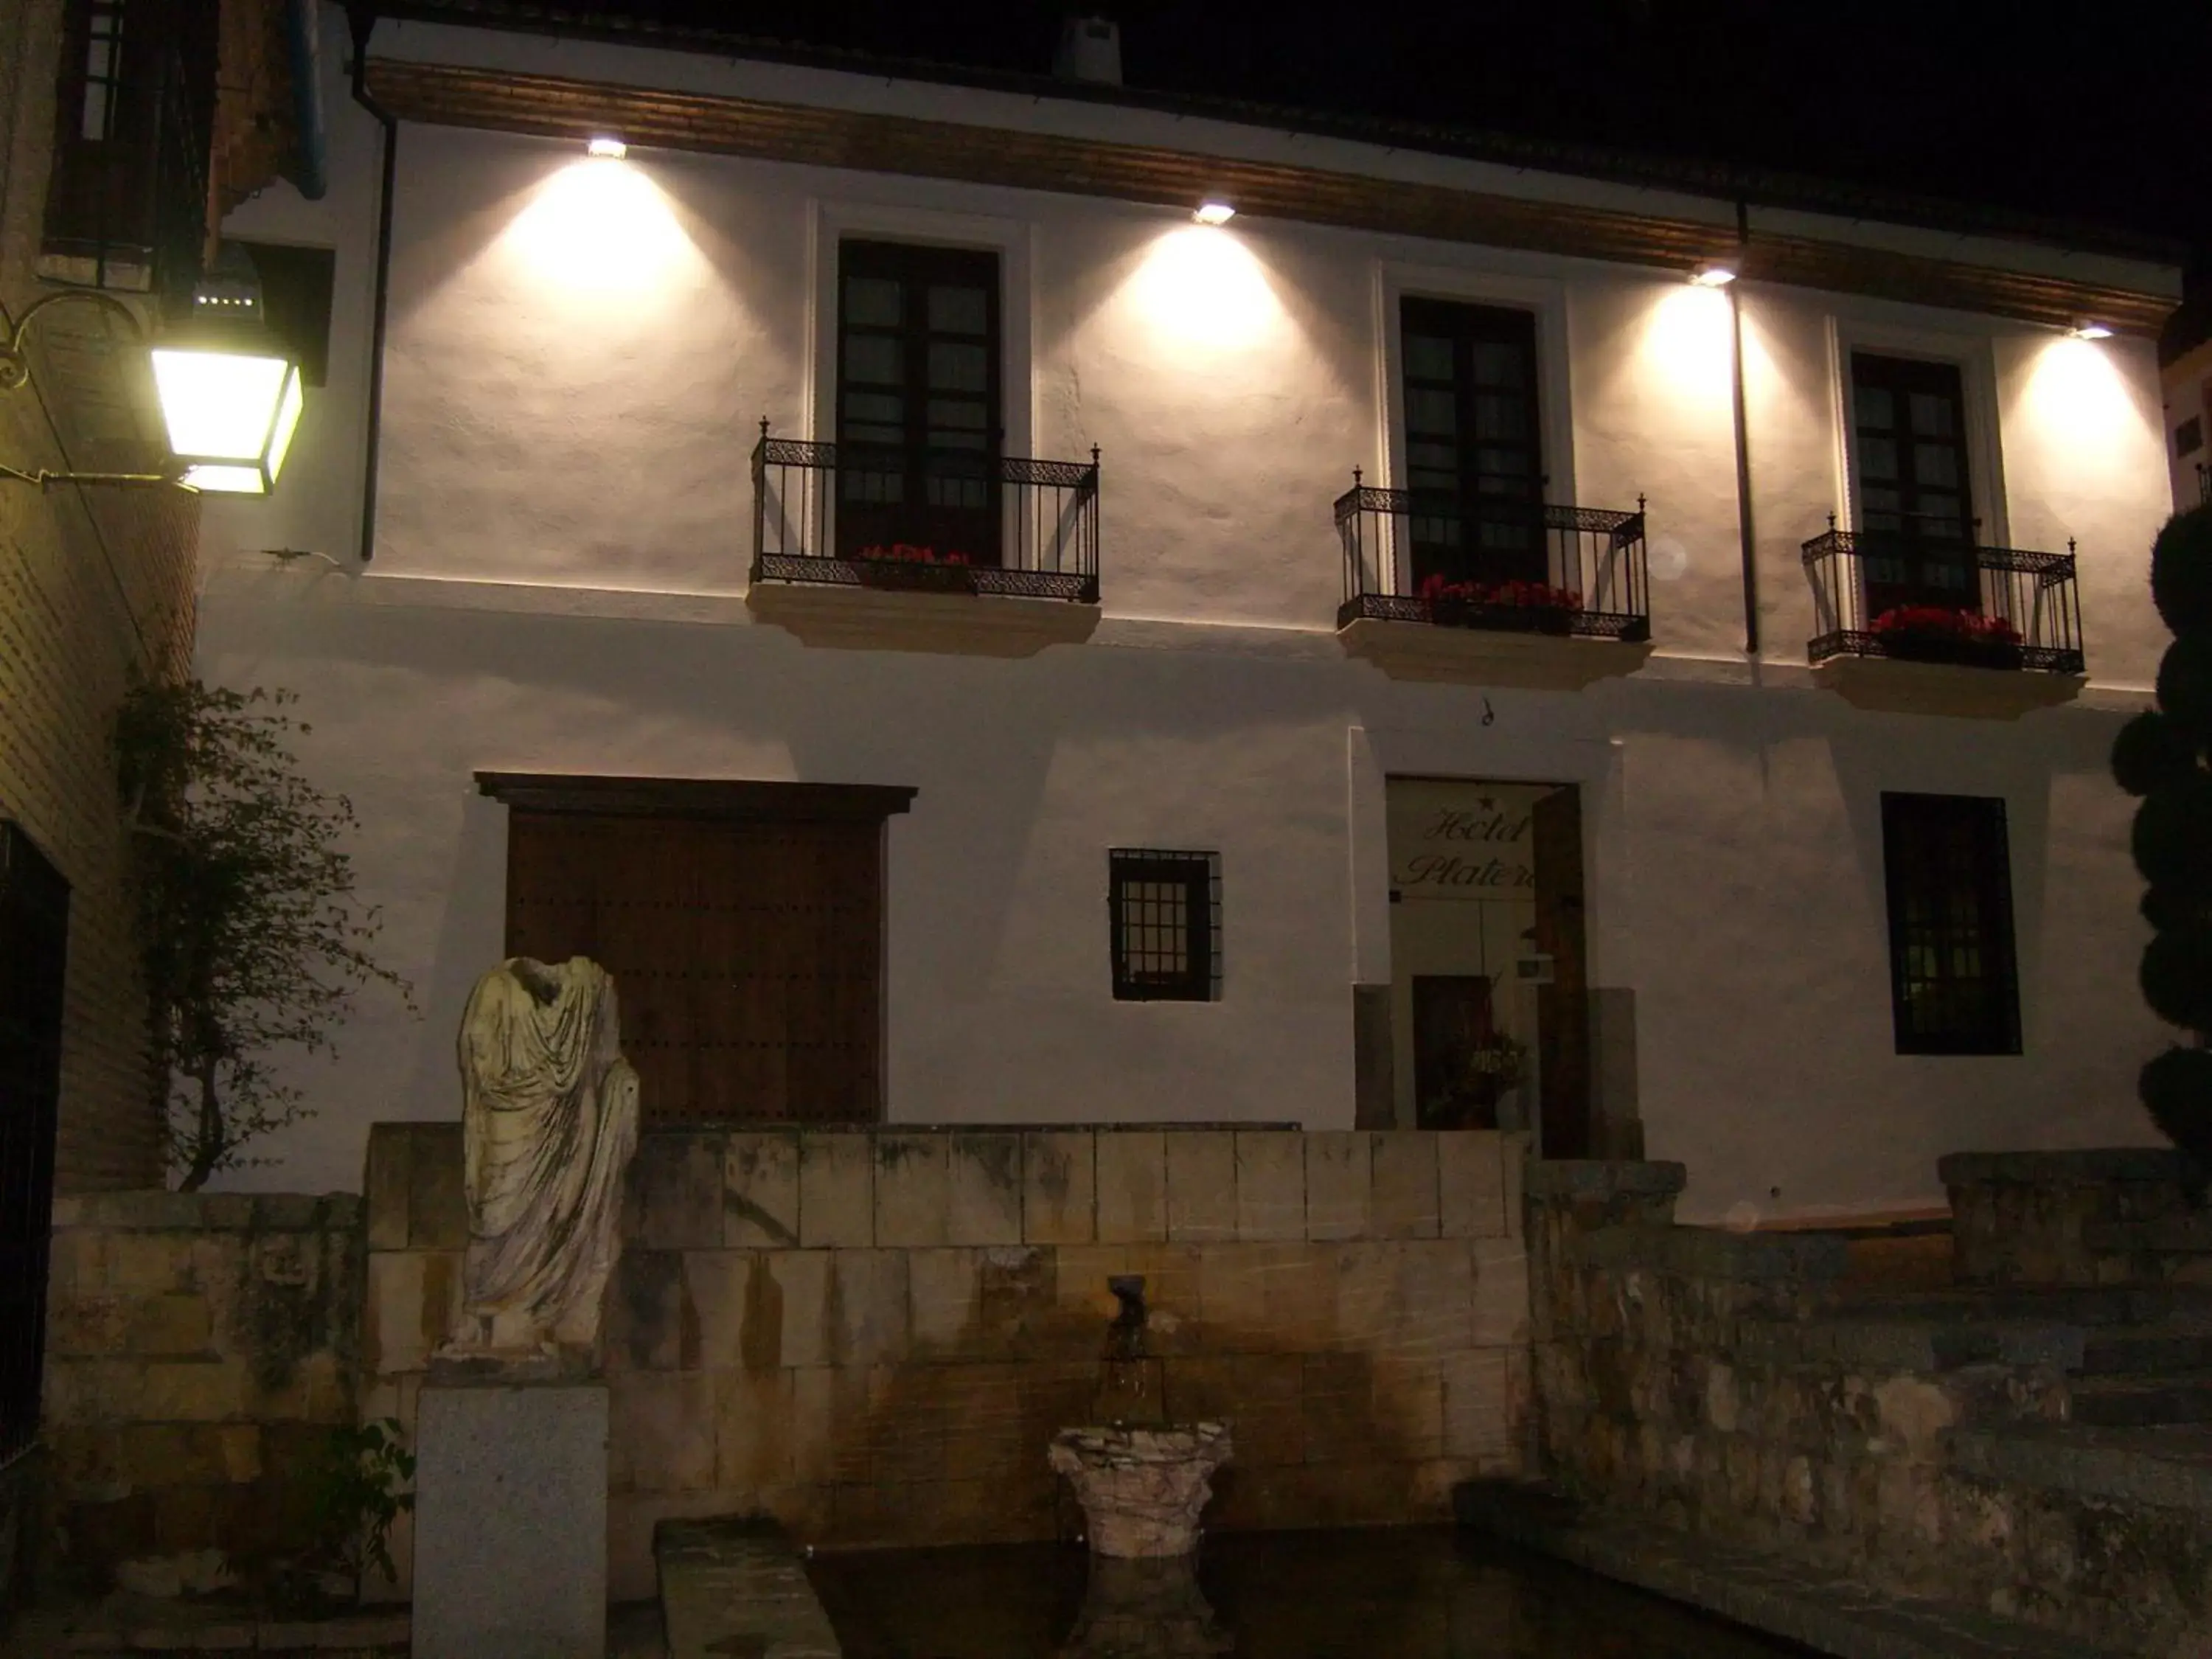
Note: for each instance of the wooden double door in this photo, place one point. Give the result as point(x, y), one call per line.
point(747, 955)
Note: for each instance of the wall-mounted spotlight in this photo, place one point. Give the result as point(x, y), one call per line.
point(2084, 329)
point(1214, 212)
point(1714, 273)
point(607, 149)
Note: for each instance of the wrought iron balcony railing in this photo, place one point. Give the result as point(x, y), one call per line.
point(1524, 566)
point(946, 523)
point(1887, 593)
point(127, 201)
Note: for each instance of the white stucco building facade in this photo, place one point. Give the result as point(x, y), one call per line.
point(578, 355)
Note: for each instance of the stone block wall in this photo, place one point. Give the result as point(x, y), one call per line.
point(873, 1335)
point(196, 1343)
point(1706, 1377)
point(2111, 1216)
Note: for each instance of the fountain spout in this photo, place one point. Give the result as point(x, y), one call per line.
point(1142, 1482)
point(1131, 1393)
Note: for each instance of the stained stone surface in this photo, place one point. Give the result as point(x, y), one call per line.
point(736, 1587)
point(550, 1122)
point(511, 1521)
point(1142, 1490)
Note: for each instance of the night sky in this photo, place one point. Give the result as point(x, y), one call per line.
point(2097, 112)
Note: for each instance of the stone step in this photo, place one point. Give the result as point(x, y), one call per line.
point(736, 1585)
point(2145, 1351)
point(1930, 1342)
point(1782, 1595)
point(2135, 1402)
point(2068, 1304)
point(2166, 1466)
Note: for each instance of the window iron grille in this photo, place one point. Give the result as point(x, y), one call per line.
point(1164, 920)
point(128, 197)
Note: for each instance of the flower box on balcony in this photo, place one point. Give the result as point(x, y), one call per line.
point(914, 569)
point(1508, 607)
point(1933, 633)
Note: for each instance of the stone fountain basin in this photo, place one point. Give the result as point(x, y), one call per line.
point(1142, 1489)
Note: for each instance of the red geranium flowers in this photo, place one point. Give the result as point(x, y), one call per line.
point(908, 553)
point(1533, 596)
point(1941, 622)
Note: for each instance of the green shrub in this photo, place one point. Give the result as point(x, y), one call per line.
point(2161, 756)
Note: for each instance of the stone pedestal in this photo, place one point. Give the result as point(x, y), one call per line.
point(510, 1521)
point(1145, 1607)
point(1142, 1490)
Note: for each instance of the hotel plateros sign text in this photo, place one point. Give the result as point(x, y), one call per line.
point(1461, 842)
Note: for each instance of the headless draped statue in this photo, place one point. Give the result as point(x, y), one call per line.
point(549, 1122)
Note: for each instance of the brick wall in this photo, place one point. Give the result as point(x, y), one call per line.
point(196, 1343)
point(95, 586)
point(874, 1335)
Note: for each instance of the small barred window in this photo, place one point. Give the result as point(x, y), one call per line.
point(1165, 913)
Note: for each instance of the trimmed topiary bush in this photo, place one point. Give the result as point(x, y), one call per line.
point(2162, 757)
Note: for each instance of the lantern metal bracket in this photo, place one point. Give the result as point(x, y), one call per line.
point(15, 373)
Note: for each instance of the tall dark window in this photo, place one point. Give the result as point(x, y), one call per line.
point(34, 955)
point(1916, 510)
point(1953, 977)
point(1164, 909)
point(1473, 456)
point(920, 431)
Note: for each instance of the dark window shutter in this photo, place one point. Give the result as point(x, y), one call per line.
point(747, 955)
point(34, 968)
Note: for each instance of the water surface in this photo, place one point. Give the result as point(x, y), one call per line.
point(1377, 1593)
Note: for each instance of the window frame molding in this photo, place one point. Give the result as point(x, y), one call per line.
point(1544, 296)
point(1974, 354)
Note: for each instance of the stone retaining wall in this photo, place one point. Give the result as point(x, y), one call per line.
point(873, 1334)
point(1703, 1376)
point(1725, 1386)
point(195, 1344)
point(2129, 1215)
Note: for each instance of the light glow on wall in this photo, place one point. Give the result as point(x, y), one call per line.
point(603, 229)
point(1204, 290)
point(2078, 396)
point(1690, 341)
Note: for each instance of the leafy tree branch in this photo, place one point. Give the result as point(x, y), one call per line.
point(251, 938)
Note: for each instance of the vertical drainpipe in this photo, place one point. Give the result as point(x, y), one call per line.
point(1744, 528)
point(360, 18)
point(304, 47)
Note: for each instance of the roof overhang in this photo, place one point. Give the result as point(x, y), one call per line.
point(510, 100)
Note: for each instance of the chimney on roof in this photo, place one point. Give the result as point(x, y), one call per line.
point(1090, 50)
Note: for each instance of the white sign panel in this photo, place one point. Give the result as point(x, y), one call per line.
point(1461, 842)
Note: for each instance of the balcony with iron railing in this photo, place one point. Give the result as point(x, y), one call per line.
point(882, 546)
point(1437, 585)
point(1910, 621)
point(127, 201)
